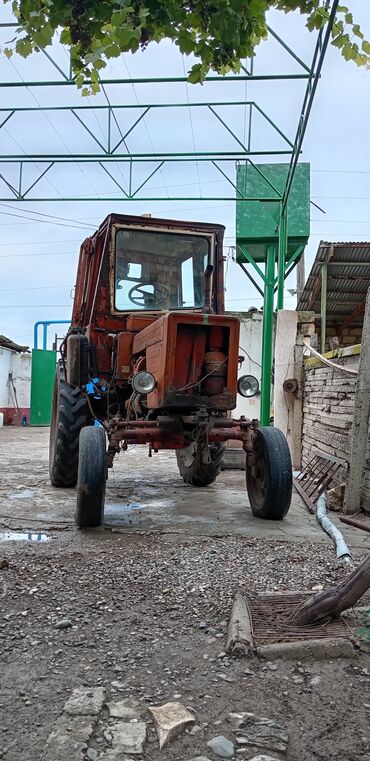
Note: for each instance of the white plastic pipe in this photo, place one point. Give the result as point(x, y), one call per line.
point(334, 533)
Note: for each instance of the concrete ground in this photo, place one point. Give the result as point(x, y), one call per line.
point(144, 494)
point(138, 610)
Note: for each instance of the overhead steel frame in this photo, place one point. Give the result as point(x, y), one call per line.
point(110, 153)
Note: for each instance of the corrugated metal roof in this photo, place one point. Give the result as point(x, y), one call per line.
point(347, 284)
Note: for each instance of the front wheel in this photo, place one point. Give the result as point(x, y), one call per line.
point(269, 476)
point(92, 474)
point(70, 414)
point(199, 465)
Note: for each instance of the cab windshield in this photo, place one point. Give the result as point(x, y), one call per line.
point(159, 270)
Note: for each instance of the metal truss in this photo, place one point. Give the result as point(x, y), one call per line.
point(112, 153)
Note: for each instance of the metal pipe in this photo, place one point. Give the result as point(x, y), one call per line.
point(46, 324)
point(268, 316)
point(282, 251)
point(356, 524)
point(156, 80)
point(324, 288)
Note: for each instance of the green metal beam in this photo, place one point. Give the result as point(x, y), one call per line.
point(313, 79)
point(249, 276)
point(282, 251)
point(243, 249)
point(267, 335)
point(154, 80)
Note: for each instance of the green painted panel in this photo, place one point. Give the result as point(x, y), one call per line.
point(257, 221)
point(42, 381)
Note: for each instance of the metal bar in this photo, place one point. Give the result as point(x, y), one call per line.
point(54, 63)
point(111, 113)
point(234, 155)
point(251, 278)
point(268, 314)
point(249, 141)
point(288, 49)
point(313, 78)
point(109, 128)
point(355, 523)
point(226, 177)
point(36, 181)
point(106, 198)
point(20, 179)
point(113, 178)
point(276, 128)
point(251, 261)
point(147, 179)
point(7, 118)
point(230, 131)
point(282, 250)
point(131, 106)
point(47, 323)
point(157, 80)
point(131, 128)
point(45, 337)
point(130, 180)
point(324, 288)
point(291, 263)
point(13, 190)
point(89, 131)
point(294, 257)
point(266, 179)
point(346, 264)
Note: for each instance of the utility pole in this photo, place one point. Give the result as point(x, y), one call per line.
point(300, 276)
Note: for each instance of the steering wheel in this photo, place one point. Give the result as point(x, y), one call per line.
point(145, 299)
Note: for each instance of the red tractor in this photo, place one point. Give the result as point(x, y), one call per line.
point(152, 358)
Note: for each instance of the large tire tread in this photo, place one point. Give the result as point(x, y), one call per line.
point(277, 498)
point(71, 415)
point(92, 475)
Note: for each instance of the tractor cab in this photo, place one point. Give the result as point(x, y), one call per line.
point(160, 270)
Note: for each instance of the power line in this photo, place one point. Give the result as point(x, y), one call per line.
point(52, 253)
point(41, 214)
point(341, 171)
point(45, 221)
point(35, 288)
point(35, 306)
point(42, 242)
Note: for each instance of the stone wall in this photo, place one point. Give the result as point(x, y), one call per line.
point(328, 403)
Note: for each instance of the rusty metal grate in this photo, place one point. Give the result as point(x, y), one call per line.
point(316, 477)
point(270, 621)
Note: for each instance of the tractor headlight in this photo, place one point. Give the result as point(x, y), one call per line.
point(143, 382)
point(248, 385)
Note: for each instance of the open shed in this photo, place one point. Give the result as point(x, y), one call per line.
point(336, 292)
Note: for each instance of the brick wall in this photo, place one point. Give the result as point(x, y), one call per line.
point(328, 403)
point(346, 336)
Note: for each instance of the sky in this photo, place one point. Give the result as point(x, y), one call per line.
point(39, 240)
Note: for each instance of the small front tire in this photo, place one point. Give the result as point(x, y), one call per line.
point(270, 478)
point(92, 474)
point(200, 465)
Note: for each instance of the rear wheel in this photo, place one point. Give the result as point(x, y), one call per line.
point(269, 479)
point(70, 413)
point(92, 474)
point(200, 465)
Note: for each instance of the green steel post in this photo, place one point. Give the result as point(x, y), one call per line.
point(268, 316)
point(283, 242)
point(324, 287)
